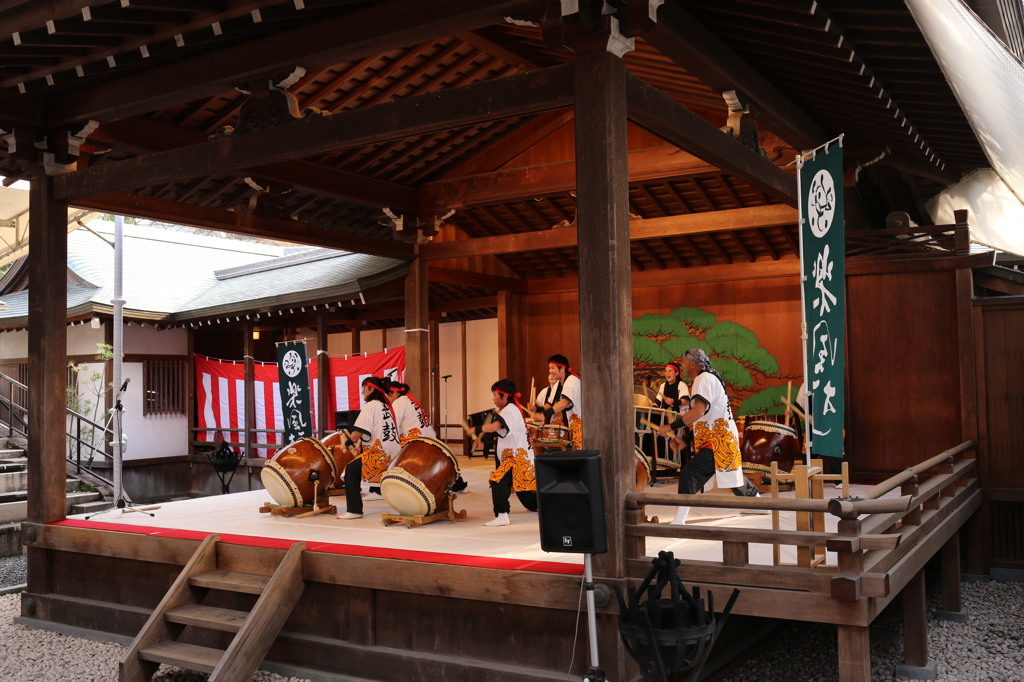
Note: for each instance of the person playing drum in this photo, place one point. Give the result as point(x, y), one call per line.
point(412, 422)
point(715, 437)
point(674, 397)
point(376, 435)
point(516, 471)
point(562, 400)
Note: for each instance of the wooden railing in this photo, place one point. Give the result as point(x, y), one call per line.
point(936, 240)
point(873, 539)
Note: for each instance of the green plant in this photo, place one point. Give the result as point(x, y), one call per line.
point(85, 395)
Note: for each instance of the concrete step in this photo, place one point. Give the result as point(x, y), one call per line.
point(12, 481)
point(91, 507)
point(10, 539)
point(12, 453)
point(14, 506)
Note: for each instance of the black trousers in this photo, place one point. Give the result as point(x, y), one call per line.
point(353, 485)
point(502, 491)
point(696, 472)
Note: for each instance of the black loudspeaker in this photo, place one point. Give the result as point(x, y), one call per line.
point(345, 419)
point(570, 502)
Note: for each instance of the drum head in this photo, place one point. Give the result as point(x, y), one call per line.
point(406, 494)
point(280, 485)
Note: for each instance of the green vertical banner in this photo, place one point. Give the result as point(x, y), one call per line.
point(823, 267)
point(293, 383)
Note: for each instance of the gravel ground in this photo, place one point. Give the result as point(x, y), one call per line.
point(989, 647)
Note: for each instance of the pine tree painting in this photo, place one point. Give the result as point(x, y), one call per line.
point(750, 371)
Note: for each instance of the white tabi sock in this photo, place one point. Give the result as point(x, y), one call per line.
point(349, 516)
point(501, 520)
point(680, 518)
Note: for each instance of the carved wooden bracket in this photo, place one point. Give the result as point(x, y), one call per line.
point(740, 123)
point(268, 201)
point(415, 228)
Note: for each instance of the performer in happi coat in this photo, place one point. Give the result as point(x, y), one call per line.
point(515, 470)
point(562, 401)
point(375, 434)
point(409, 415)
point(715, 438)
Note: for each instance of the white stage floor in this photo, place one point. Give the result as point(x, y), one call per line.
point(238, 514)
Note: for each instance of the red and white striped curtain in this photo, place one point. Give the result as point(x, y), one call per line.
point(220, 394)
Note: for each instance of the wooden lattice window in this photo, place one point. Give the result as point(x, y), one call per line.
point(164, 386)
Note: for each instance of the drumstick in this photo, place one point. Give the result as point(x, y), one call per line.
point(789, 392)
point(472, 434)
point(533, 394)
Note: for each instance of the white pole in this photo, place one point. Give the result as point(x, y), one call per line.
point(118, 323)
point(803, 312)
point(588, 578)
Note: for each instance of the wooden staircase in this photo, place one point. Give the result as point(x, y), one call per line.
point(182, 607)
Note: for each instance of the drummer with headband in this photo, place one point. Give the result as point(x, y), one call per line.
point(376, 434)
point(673, 392)
point(561, 401)
point(715, 437)
point(516, 471)
point(412, 422)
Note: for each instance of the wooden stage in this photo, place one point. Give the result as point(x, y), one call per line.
point(458, 600)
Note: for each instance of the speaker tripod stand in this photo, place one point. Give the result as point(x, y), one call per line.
point(593, 672)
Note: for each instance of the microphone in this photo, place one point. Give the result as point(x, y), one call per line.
point(125, 385)
point(447, 376)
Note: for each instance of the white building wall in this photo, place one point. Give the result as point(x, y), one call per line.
point(14, 345)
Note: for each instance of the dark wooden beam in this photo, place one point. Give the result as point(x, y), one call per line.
point(683, 39)
point(753, 217)
point(437, 273)
point(241, 222)
point(373, 29)
point(656, 112)
point(417, 332)
point(146, 136)
point(519, 95)
point(549, 178)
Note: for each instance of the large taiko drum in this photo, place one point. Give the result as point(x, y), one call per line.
point(297, 469)
point(765, 441)
point(643, 469)
point(419, 482)
point(335, 444)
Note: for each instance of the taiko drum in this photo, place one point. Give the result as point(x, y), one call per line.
point(419, 481)
point(297, 469)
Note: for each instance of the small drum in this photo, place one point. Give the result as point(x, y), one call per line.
point(535, 430)
point(643, 470)
point(297, 469)
point(335, 444)
point(419, 482)
point(552, 437)
point(765, 441)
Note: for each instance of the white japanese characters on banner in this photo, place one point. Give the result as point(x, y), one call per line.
point(294, 386)
point(823, 266)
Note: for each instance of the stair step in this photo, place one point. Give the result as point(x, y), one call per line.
point(91, 507)
point(210, 617)
point(182, 655)
point(231, 581)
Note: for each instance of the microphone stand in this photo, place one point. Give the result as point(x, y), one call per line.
point(117, 443)
point(445, 379)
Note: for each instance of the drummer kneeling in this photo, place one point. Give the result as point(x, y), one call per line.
point(516, 470)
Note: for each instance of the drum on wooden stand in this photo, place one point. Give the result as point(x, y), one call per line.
point(552, 437)
point(765, 441)
point(297, 469)
point(421, 478)
point(643, 469)
point(335, 444)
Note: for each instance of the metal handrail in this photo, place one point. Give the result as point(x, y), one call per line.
point(18, 411)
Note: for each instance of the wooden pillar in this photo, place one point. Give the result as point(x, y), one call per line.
point(512, 355)
point(854, 653)
point(433, 401)
point(916, 665)
point(952, 607)
point(248, 354)
point(323, 386)
point(417, 331)
point(47, 352)
point(190, 382)
point(605, 299)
